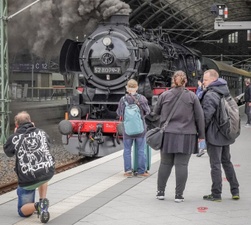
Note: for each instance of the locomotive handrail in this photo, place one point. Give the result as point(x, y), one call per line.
point(79, 133)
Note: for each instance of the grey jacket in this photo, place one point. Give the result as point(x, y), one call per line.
point(210, 102)
point(188, 118)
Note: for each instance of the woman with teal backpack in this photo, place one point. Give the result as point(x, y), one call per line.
point(133, 98)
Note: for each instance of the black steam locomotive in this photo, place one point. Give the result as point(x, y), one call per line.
point(98, 69)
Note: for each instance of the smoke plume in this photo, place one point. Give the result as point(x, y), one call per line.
point(44, 27)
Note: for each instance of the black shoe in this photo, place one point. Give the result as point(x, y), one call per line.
point(37, 211)
point(212, 198)
point(160, 195)
point(179, 198)
point(236, 197)
point(43, 210)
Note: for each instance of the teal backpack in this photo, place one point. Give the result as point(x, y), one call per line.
point(133, 123)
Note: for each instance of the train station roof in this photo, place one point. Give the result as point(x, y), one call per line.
point(187, 21)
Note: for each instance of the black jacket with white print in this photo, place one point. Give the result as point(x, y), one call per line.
point(34, 162)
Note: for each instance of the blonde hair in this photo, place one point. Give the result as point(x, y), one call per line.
point(132, 86)
point(21, 118)
point(179, 79)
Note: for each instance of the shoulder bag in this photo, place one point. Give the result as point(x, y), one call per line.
point(155, 136)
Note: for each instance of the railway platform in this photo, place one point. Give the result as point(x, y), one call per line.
point(97, 193)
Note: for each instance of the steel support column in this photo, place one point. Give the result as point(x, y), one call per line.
point(4, 77)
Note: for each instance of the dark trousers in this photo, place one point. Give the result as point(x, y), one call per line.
point(180, 161)
point(221, 156)
point(248, 118)
point(247, 112)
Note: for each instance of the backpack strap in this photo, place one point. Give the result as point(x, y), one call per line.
point(136, 100)
point(125, 101)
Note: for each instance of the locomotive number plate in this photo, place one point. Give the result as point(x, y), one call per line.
point(107, 70)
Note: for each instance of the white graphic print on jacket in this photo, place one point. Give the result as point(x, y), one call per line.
point(33, 154)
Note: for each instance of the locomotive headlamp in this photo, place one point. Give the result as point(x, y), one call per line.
point(74, 111)
point(107, 41)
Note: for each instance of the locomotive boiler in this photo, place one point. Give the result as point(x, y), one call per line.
point(98, 69)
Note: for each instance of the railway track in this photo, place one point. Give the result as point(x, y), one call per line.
point(66, 166)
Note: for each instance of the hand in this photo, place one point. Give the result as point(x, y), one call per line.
point(200, 140)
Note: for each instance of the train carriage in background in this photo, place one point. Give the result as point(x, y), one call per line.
point(98, 69)
point(234, 76)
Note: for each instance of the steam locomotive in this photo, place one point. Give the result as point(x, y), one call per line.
point(98, 69)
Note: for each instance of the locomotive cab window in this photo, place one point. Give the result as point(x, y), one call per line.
point(190, 63)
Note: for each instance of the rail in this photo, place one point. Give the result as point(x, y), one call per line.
point(11, 185)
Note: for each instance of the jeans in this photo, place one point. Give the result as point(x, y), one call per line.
point(140, 147)
point(221, 155)
point(24, 197)
point(180, 161)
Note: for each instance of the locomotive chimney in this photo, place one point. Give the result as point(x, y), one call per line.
point(119, 19)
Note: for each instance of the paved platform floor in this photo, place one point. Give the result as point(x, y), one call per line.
point(98, 194)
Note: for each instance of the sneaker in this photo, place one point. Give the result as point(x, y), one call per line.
point(160, 195)
point(212, 198)
point(247, 125)
point(201, 152)
point(128, 174)
point(141, 175)
point(236, 197)
point(179, 198)
point(36, 205)
point(43, 210)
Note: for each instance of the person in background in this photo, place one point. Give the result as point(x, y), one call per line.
point(34, 166)
point(181, 134)
point(202, 144)
point(247, 99)
point(200, 89)
point(140, 140)
point(218, 146)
